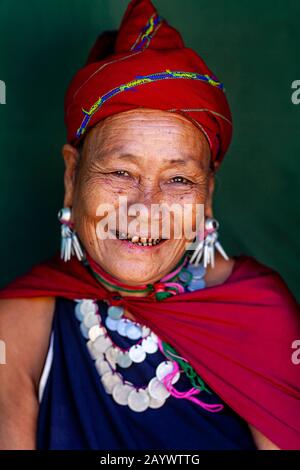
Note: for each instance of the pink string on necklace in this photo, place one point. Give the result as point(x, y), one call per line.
point(188, 394)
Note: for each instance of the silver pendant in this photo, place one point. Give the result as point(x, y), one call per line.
point(90, 320)
point(115, 312)
point(102, 343)
point(121, 328)
point(78, 312)
point(76, 248)
point(111, 324)
point(145, 331)
point(133, 331)
point(111, 356)
point(94, 354)
point(84, 330)
point(206, 248)
point(157, 389)
point(165, 368)
point(124, 360)
point(121, 392)
point(88, 306)
point(95, 331)
point(196, 285)
point(110, 380)
point(154, 337)
point(137, 353)
point(102, 366)
point(66, 243)
point(156, 403)
point(209, 250)
point(198, 252)
point(107, 356)
point(70, 244)
point(138, 400)
point(149, 345)
point(221, 250)
point(183, 276)
point(197, 272)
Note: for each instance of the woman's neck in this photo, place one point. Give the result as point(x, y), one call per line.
point(124, 294)
point(113, 284)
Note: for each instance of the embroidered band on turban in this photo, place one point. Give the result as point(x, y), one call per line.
point(146, 64)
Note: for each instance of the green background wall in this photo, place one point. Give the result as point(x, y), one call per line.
point(253, 47)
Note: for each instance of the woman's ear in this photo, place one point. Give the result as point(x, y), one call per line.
point(71, 158)
point(209, 199)
point(211, 188)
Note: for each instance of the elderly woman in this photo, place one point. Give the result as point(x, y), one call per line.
point(136, 339)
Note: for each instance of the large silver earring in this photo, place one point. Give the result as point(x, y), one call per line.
point(206, 247)
point(69, 241)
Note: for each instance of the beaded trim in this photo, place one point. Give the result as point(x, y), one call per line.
point(107, 355)
point(142, 80)
point(147, 33)
point(203, 110)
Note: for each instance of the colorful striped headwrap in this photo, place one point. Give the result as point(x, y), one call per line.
point(146, 65)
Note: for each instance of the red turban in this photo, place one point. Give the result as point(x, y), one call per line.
point(145, 64)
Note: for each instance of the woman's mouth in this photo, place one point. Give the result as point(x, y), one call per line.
point(135, 240)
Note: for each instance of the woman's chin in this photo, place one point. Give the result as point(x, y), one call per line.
point(132, 273)
point(134, 264)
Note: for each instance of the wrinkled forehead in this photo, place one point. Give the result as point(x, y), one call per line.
point(147, 130)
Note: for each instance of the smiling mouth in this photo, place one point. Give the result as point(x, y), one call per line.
point(140, 241)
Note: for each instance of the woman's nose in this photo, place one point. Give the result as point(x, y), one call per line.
point(147, 193)
point(145, 204)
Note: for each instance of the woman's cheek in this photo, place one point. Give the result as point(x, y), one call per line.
point(94, 197)
point(194, 212)
point(96, 212)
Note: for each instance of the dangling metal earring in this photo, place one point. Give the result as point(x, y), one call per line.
point(69, 241)
point(206, 247)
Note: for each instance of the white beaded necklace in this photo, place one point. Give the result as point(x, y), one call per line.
point(108, 355)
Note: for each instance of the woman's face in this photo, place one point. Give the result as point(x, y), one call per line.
point(147, 157)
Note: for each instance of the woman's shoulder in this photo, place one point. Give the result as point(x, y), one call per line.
point(26, 310)
point(25, 325)
point(264, 281)
point(250, 266)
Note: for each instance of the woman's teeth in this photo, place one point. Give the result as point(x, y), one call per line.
point(142, 241)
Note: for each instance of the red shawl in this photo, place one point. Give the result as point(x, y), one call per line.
point(238, 335)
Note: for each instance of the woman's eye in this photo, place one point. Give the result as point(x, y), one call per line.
point(120, 173)
point(180, 179)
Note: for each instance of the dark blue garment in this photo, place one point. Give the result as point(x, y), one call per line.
point(77, 413)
